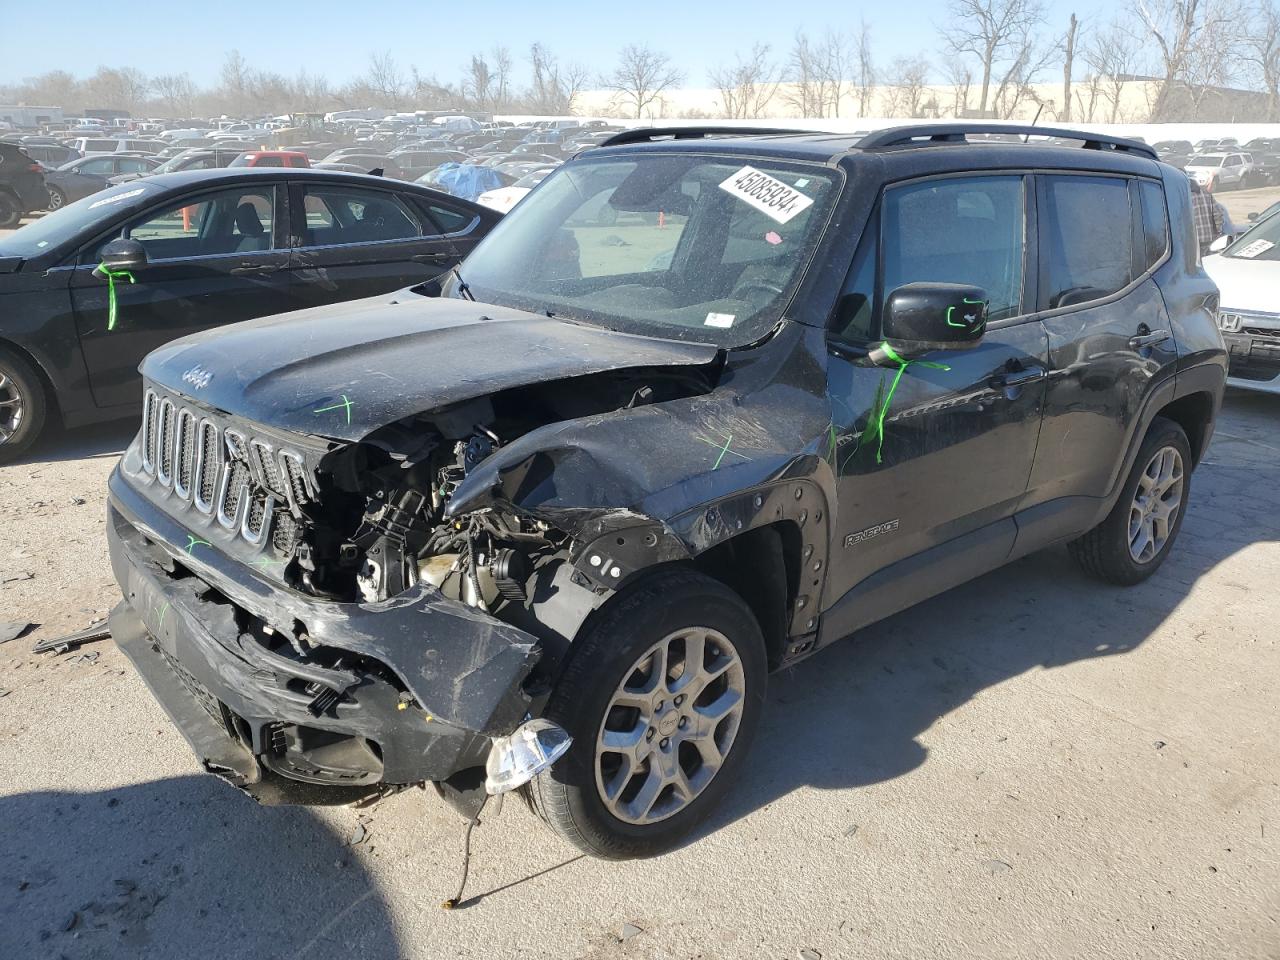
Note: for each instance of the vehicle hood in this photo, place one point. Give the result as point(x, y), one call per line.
point(343, 370)
point(1246, 284)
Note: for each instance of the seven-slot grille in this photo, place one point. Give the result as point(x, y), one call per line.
point(220, 470)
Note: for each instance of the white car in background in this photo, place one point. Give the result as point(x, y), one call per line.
point(503, 199)
point(1219, 171)
point(1247, 272)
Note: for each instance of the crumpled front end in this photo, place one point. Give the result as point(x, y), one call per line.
point(298, 698)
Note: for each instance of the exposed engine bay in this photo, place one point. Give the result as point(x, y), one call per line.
point(379, 526)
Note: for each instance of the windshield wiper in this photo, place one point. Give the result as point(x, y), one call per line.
point(462, 284)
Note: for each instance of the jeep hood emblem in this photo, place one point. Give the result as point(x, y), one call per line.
point(198, 377)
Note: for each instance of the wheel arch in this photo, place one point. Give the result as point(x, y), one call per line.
point(1194, 414)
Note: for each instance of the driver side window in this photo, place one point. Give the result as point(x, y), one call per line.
point(968, 230)
point(228, 222)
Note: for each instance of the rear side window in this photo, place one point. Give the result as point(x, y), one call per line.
point(963, 230)
point(1155, 223)
point(449, 221)
point(1086, 239)
point(342, 215)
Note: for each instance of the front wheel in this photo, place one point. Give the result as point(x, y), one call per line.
point(1136, 536)
point(22, 406)
point(10, 211)
point(662, 696)
point(57, 199)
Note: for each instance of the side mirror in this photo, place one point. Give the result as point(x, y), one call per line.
point(124, 254)
point(1220, 244)
point(920, 317)
point(1253, 216)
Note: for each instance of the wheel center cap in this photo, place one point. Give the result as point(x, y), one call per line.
point(667, 724)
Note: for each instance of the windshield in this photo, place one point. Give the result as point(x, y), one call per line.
point(673, 245)
point(75, 219)
point(1259, 242)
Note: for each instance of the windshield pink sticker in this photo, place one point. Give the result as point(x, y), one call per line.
point(771, 197)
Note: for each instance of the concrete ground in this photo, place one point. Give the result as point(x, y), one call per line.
point(1032, 765)
point(1029, 766)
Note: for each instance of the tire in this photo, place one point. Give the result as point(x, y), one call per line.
point(57, 199)
point(1107, 551)
point(610, 653)
point(21, 393)
point(10, 211)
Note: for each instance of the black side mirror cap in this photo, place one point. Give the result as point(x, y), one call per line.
point(921, 317)
point(123, 254)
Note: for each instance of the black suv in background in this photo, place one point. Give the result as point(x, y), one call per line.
point(22, 188)
point(548, 522)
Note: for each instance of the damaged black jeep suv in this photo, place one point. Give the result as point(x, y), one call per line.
point(700, 406)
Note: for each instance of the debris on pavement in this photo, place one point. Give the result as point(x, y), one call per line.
point(361, 832)
point(994, 867)
point(18, 577)
point(12, 631)
point(93, 632)
point(628, 931)
point(807, 954)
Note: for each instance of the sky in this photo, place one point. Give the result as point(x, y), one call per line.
point(337, 37)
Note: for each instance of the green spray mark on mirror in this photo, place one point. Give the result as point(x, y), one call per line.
point(111, 276)
point(875, 427)
point(951, 309)
point(344, 405)
point(193, 542)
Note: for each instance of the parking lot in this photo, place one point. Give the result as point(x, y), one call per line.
point(1040, 766)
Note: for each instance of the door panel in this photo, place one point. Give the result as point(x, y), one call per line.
point(1106, 353)
point(956, 454)
point(353, 242)
point(198, 279)
point(960, 428)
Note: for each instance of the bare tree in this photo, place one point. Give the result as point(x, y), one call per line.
point(996, 32)
point(865, 76)
point(123, 88)
point(236, 80)
point(554, 89)
point(640, 77)
point(1068, 66)
point(1185, 34)
point(908, 79)
point(176, 92)
point(385, 79)
point(478, 83)
point(960, 76)
point(502, 67)
point(1260, 49)
point(747, 85)
point(1111, 55)
point(804, 91)
point(309, 92)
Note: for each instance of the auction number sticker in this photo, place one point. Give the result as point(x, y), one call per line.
point(771, 197)
point(1251, 250)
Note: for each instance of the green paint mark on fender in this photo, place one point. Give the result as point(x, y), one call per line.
point(724, 449)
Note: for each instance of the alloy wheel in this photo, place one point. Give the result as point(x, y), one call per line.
point(55, 199)
point(1155, 505)
point(12, 407)
point(670, 725)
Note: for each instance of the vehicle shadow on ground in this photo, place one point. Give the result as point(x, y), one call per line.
point(98, 440)
point(181, 867)
point(851, 715)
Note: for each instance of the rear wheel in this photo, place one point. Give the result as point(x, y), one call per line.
point(1136, 536)
point(662, 697)
point(57, 199)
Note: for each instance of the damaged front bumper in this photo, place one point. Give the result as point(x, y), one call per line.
point(403, 691)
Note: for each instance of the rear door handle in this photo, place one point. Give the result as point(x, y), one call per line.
point(1148, 339)
point(245, 268)
point(432, 257)
point(1018, 378)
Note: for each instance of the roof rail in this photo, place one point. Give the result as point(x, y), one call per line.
point(649, 134)
point(957, 132)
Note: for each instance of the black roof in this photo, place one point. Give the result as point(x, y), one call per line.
point(927, 146)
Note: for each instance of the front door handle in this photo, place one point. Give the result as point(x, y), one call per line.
point(1148, 339)
point(432, 257)
point(1019, 378)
